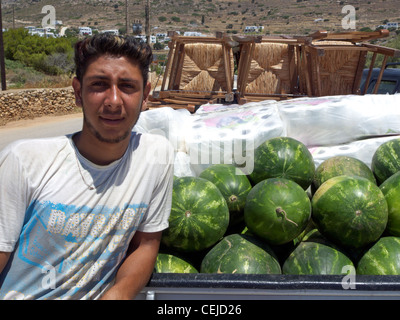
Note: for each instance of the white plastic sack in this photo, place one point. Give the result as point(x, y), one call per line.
point(231, 134)
point(169, 123)
point(334, 120)
point(182, 165)
point(212, 108)
point(361, 149)
point(164, 121)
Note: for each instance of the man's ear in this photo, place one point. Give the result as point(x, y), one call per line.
point(146, 93)
point(76, 85)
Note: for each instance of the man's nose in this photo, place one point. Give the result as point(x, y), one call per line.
point(114, 99)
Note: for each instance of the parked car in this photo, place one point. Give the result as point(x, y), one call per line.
point(390, 82)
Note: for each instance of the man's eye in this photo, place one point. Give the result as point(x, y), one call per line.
point(99, 84)
point(128, 86)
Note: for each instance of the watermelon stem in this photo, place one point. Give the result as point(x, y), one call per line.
point(281, 211)
point(233, 198)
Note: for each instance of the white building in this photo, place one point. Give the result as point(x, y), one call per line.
point(153, 39)
point(192, 34)
point(47, 32)
point(390, 25)
point(253, 29)
point(85, 31)
point(111, 31)
point(30, 29)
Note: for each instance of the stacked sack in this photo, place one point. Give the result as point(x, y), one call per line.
point(348, 125)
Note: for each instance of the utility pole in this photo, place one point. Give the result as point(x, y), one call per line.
point(2, 58)
point(126, 17)
point(147, 27)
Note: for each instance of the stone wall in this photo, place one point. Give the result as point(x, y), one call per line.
point(32, 103)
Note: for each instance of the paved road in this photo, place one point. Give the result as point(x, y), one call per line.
point(39, 127)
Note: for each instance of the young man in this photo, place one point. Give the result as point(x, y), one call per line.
point(81, 215)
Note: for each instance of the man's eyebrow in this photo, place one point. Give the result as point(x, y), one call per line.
point(129, 80)
point(100, 77)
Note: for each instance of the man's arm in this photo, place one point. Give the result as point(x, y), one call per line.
point(135, 271)
point(4, 256)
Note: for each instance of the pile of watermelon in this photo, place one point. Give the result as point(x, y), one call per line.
point(287, 216)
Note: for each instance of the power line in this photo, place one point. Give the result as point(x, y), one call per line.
point(2, 58)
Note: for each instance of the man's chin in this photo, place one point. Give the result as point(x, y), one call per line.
point(111, 140)
point(106, 138)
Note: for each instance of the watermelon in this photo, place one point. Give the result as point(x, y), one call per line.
point(199, 215)
point(383, 258)
point(386, 160)
point(283, 157)
point(350, 211)
point(391, 190)
point(277, 210)
point(341, 165)
point(243, 254)
point(317, 258)
point(233, 186)
point(309, 234)
point(169, 263)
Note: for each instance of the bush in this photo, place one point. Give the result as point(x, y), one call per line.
point(158, 46)
point(52, 56)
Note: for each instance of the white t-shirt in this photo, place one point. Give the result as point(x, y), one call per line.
point(68, 221)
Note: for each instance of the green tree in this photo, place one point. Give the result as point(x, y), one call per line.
point(53, 56)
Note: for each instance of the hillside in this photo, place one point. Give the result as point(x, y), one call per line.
point(206, 16)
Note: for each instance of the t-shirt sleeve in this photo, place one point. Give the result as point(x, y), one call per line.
point(13, 198)
point(157, 214)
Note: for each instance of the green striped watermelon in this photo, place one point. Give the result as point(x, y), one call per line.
point(277, 210)
point(386, 160)
point(199, 215)
point(383, 258)
point(350, 211)
point(283, 157)
point(168, 263)
point(317, 258)
point(240, 254)
point(391, 190)
point(339, 166)
point(233, 186)
point(309, 234)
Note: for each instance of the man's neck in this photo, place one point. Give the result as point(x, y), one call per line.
point(98, 152)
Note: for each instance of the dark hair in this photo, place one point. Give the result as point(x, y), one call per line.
point(88, 49)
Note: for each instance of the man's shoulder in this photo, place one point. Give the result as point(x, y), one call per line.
point(154, 148)
point(36, 147)
point(151, 139)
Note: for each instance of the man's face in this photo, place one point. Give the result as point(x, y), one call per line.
point(111, 95)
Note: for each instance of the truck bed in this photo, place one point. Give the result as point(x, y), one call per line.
point(269, 287)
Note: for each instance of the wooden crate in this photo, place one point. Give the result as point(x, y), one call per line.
point(268, 67)
point(332, 64)
point(198, 70)
point(201, 69)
